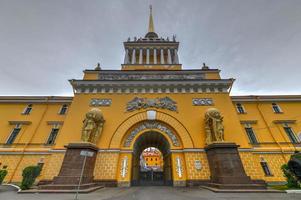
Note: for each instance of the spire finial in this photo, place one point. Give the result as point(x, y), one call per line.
point(151, 21)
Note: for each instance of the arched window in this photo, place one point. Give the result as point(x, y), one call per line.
point(265, 167)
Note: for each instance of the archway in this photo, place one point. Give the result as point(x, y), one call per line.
point(150, 177)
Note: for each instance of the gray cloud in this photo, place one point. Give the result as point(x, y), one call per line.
point(45, 43)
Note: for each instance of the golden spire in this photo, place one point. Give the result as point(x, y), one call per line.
point(151, 22)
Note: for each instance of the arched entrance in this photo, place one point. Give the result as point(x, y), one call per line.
point(150, 177)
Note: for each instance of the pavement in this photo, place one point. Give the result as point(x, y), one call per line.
point(147, 193)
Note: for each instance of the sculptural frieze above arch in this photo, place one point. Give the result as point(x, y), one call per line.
point(151, 125)
point(144, 103)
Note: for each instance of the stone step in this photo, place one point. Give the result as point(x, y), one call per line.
point(88, 190)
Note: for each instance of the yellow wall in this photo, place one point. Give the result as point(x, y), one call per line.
point(188, 124)
point(192, 172)
point(271, 135)
point(153, 160)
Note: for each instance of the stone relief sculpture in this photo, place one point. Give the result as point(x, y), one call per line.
point(214, 128)
point(152, 125)
point(144, 103)
point(92, 126)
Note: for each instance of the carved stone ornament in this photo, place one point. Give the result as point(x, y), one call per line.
point(151, 125)
point(214, 127)
point(179, 168)
point(124, 167)
point(100, 102)
point(143, 103)
point(92, 126)
point(202, 101)
point(158, 76)
point(197, 164)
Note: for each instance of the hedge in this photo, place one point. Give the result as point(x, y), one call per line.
point(292, 181)
point(3, 173)
point(29, 176)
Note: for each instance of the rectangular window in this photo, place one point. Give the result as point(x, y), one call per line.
point(276, 108)
point(251, 135)
point(52, 136)
point(240, 108)
point(27, 110)
point(14, 134)
point(63, 109)
point(266, 168)
point(291, 135)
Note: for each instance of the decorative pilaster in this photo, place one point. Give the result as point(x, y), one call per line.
point(168, 56)
point(140, 56)
point(155, 56)
point(147, 56)
point(134, 56)
point(162, 56)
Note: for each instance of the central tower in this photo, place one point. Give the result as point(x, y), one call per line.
point(151, 52)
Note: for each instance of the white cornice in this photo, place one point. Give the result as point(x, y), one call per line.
point(35, 99)
point(267, 98)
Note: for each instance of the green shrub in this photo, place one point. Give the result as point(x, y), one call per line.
point(29, 176)
point(3, 173)
point(291, 180)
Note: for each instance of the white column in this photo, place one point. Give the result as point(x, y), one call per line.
point(155, 56)
point(140, 56)
point(176, 57)
point(147, 56)
point(162, 56)
point(126, 57)
point(134, 56)
point(168, 56)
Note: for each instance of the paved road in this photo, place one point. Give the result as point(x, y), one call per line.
point(148, 193)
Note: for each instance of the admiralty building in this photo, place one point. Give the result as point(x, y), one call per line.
point(204, 135)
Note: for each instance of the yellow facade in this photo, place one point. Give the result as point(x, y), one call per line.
point(153, 158)
point(182, 138)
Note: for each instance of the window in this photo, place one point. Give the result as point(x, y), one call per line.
point(265, 168)
point(276, 108)
point(240, 108)
point(52, 135)
point(27, 110)
point(290, 133)
point(63, 109)
point(14, 134)
point(251, 134)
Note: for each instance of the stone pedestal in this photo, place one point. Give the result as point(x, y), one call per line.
point(70, 172)
point(226, 168)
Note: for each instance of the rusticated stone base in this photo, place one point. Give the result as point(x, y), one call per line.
point(70, 172)
point(106, 183)
point(226, 168)
point(179, 183)
point(191, 183)
point(124, 184)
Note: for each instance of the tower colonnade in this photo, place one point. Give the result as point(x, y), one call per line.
point(145, 55)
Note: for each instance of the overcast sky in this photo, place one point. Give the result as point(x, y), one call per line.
point(43, 43)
